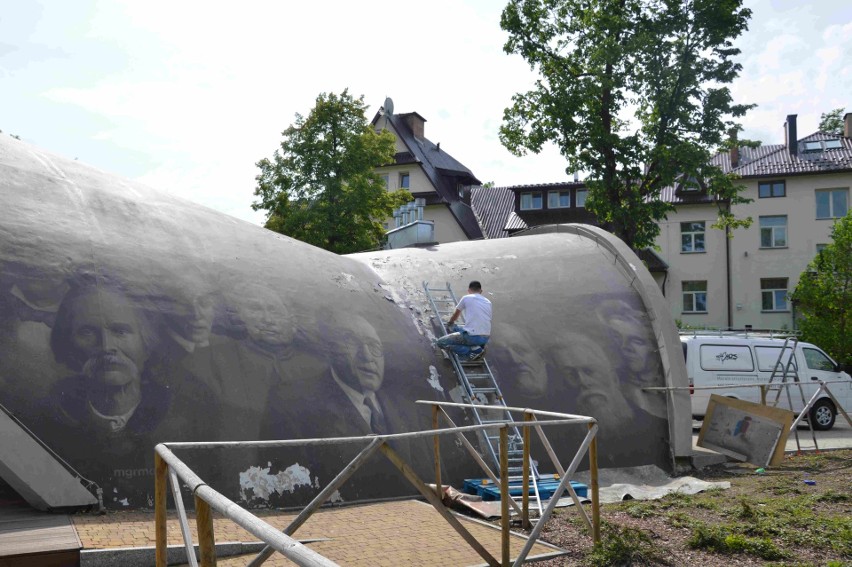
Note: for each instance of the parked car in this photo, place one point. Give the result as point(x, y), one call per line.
point(729, 360)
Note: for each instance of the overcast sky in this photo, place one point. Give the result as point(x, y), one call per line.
point(186, 96)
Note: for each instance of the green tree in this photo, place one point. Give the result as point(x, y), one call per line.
point(824, 295)
point(321, 187)
point(634, 93)
point(831, 122)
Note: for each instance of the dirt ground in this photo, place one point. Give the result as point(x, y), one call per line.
point(799, 513)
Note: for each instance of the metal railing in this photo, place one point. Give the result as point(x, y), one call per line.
point(170, 468)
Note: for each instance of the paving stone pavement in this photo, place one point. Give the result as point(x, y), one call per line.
point(408, 532)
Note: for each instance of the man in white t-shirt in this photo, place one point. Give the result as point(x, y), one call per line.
point(468, 341)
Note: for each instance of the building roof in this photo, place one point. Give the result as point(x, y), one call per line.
point(812, 157)
point(775, 160)
point(493, 206)
point(442, 169)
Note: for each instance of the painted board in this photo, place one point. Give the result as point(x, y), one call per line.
point(745, 431)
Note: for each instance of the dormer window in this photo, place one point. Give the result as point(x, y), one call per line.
point(820, 145)
point(558, 199)
point(404, 181)
point(531, 201)
point(689, 184)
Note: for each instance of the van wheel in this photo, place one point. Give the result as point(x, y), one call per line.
point(822, 415)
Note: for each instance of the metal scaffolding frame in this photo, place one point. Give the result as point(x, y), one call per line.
point(170, 468)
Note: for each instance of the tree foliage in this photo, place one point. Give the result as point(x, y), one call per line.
point(831, 122)
point(631, 91)
point(321, 187)
point(824, 295)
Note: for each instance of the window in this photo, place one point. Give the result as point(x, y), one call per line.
point(461, 190)
point(770, 357)
point(773, 293)
point(386, 180)
point(816, 360)
point(773, 232)
point(831, 203)
point(813, 147)
point(404, 181)
point(833, 144)
point(581, 198)
point(558, 199)
point(771, 189)
point(692, 237)
point(820, 247)
point(695, 297)
point(530, 201)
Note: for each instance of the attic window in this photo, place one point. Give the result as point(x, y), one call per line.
point(833, 144)
point(531, 201)
point(689, 184)
point(813, 146)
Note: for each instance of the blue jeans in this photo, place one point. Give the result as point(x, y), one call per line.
point(460, 341)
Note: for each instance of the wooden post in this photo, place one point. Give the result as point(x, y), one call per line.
point(525, 502)
point(762, 395)
point(435, 425)
point(593, 477)
point(161, 479)
point(504, 493)
point(206, 541)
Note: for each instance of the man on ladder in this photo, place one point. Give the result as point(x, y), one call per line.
point(468, 341)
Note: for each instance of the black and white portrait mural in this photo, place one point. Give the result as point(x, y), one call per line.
point(129, 317)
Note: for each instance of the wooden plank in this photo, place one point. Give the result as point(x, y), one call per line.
point(26, 531)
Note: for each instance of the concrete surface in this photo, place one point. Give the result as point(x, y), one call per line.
point(405, 532)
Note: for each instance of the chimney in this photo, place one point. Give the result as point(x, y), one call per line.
point(790, 135)
point(735, 149)
point(847, 125)
point(415, 123)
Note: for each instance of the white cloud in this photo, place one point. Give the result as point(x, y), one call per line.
point(202, 90)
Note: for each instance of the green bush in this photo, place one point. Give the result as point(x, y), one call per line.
point(623, 546)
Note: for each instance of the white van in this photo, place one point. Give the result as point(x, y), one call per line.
point(725, 360)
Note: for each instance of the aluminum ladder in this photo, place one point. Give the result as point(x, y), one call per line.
point(480, 387)
point(788, 369)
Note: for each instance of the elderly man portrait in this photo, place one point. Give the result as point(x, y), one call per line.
point(106, 340)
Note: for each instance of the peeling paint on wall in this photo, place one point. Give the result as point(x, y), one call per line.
point(434, 378)
point(257, 482)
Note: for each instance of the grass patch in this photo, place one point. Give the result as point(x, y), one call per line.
point(624, 546)
point(718, 539)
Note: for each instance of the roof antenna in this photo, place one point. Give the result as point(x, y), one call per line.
point(439, 146)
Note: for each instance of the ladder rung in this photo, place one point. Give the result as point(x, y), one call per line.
point(482, 390)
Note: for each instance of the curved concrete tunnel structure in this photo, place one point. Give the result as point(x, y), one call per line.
point(129, 317)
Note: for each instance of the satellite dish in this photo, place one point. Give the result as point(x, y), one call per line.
point(388, 106)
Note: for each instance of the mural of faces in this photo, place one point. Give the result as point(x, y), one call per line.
point(518, 359)
point(192, 319)
point(357, 354)
point(100, 333)
point(268, 322)
point(586, 367)
point(630, 328)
